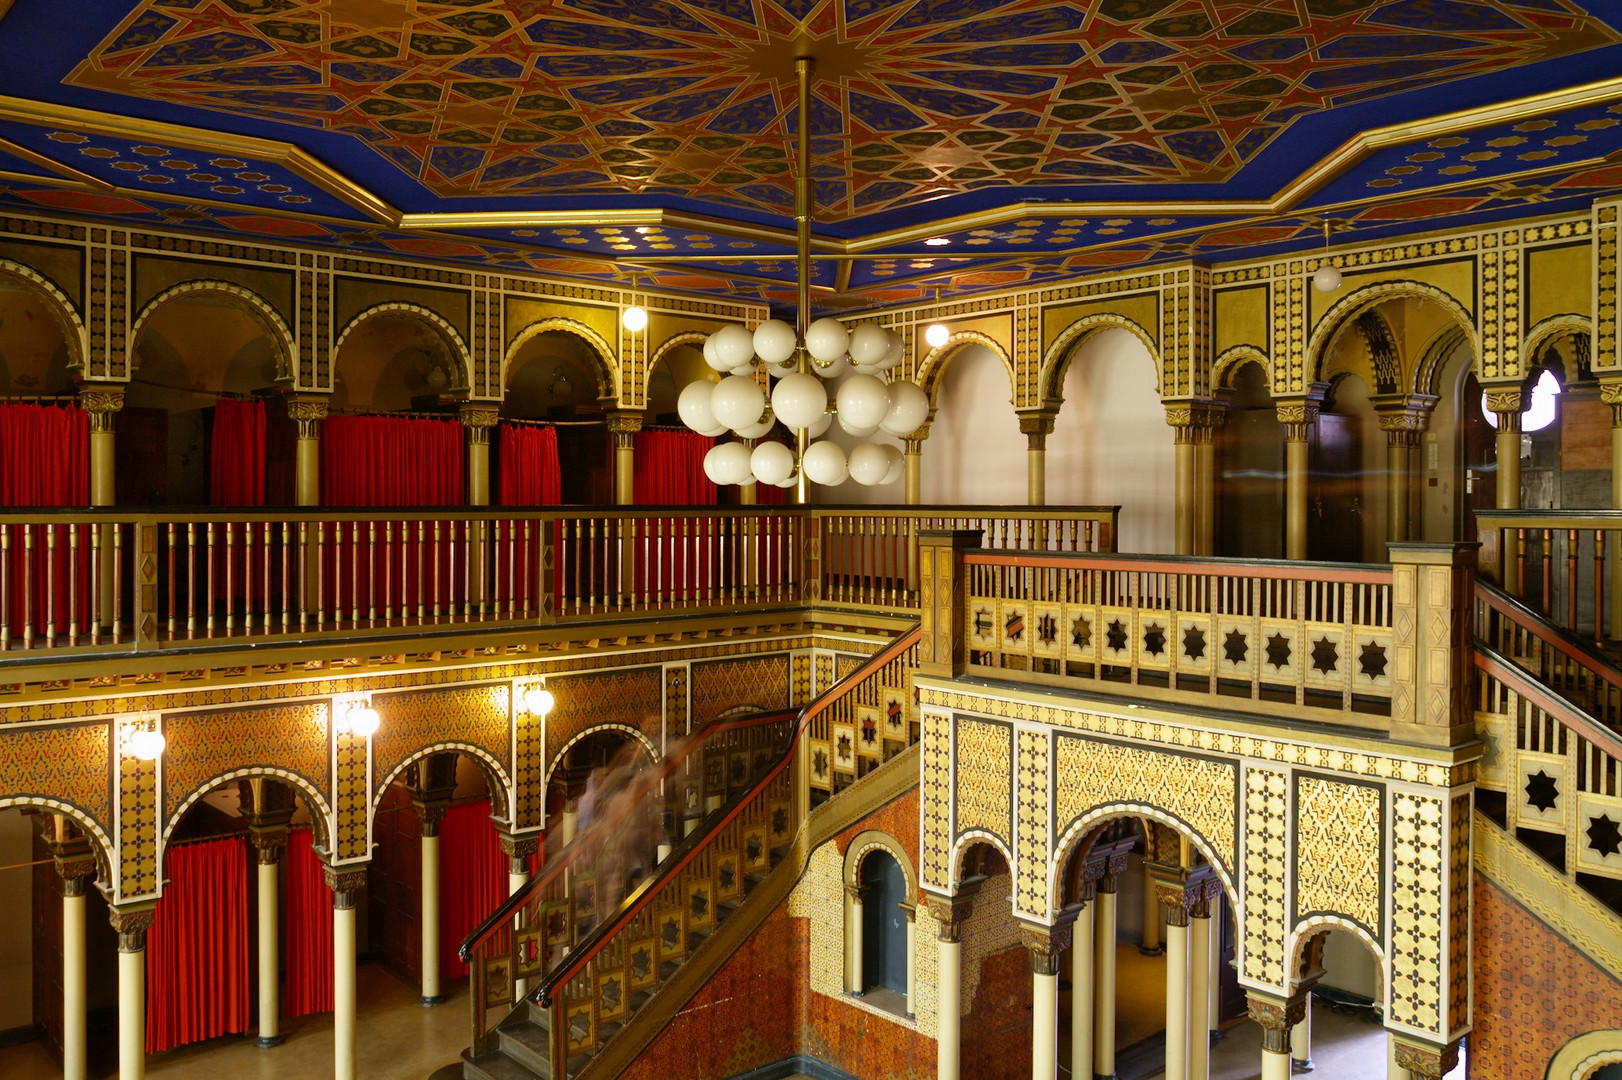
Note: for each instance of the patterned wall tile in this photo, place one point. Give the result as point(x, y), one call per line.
point(1458, 913)
point(1266, 880)
point(1338, 852)
point(983, 794)
point(935, 798)
point(477, 716)
point(68, 764)
point(351, 801)
point(1417, 912)
point(720, 685)
point(633, 696)
point(138, 873)
point(1030, 888)
point(204, 745)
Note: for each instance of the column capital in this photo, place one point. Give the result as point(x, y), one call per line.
point(951, 912)
point(268, 844)
point(131, 923)
point(429, 814)
point(1195, 421)
point(75, 858)
point(623, 424)
point(307, 411)
point(1610, 392)
point(1045, 944)
point(1276, 1017)
point(478, 417)
point(1426, 1060)
point(1297, 416)
point(346, 882)
point(915, 441)
point(1036, 426)
point(520, 846)
point(1404, 418)
point(101, 401)
point(1507, 402)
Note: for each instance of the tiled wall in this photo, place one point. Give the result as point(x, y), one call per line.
point(1534, 991)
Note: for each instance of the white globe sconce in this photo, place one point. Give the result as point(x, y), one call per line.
point(141, 739)
point(537, 700)
point(353, 715)
point(1540, 413)
point(634, 318)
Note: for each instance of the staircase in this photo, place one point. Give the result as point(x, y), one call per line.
point(589, 1002)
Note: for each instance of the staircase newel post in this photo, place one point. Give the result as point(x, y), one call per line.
point(943, 600)
point(1432, 587)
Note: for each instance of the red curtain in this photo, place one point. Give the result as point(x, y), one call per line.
point(391, 461)
point(197, 984)
point(308, 930)
point(237, 454)
point(528, 459)
point(670, 469)
point(472, 878)
point(45, 461)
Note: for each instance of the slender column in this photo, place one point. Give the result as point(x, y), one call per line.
point(1151, 915)
point(345, 883)
point(1611, 394)
point(1193, 424)
point(268, 845)
point(914, 483)
point(132, 925)
point(76, 869)
point(1036, 427)
point(1301, 1039)
point(950, 913)
point(853, 939)
point(1045, 944)
point(1199, 989)
point(1187, 504)
point(101, 403)
point(1276, 1017)
point(1298, 417)
point(912, 957)
point(1403, 419)
point(1104, 976)
point(1507, 405)
point(1177, 953)
point(1421, 1061)
point(624, 426)
point(428, 922)
point(478, 420)
point(1081, 987)
point(307, 412)
point(1205, 488)
point(518, 850)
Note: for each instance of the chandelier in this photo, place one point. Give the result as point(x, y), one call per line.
point(799, 363)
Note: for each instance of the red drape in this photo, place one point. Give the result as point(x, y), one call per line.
point(237, 454)
point(528, 459)
point(308, 930)
point(670, 469)
point(45, 461)
point(391, 461)
point(197, 984)
point(472, 878)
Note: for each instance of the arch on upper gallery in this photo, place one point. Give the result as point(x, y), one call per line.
point(1348, 308)
point(1067, 345)
point(75, 334)
point(932, 367)
point(240, 297)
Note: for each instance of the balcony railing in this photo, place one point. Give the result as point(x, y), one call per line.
point(1562, 564)
point(121, 581)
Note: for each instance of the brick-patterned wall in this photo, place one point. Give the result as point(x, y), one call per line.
point(997, 1025)
point(898, 818)
point(1534, 991)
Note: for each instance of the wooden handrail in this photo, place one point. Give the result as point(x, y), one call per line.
point(1555, 637)
point(690, 846)
point(1271, 569)
point(1520, 680)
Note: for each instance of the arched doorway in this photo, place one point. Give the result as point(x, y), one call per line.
point(1250, 470)
point(884, 924)
point(556, 376)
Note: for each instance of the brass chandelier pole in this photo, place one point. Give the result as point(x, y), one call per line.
point(804, 205)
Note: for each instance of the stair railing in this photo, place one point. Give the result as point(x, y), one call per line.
point(573, 892)
point(601, 983)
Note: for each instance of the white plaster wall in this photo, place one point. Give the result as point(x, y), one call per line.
point(1111, 444)
point(975, 453)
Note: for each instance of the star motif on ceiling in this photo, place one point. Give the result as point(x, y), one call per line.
point(1325, 656)
point(1604, 836)
point(1194, 643)
point(1372, 660)
point(1234, 647)
point(1081, 632)
point(1116, 637)
point(1278, 651)
point(1154, 639)
point(1542, 792)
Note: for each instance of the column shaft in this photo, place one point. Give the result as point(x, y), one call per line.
point(343, 993)
point(1036, 477)
point(949, 1025)
point(1044, 1026)
point(1206, 495)
point(1104, 980)
point(912, 960)
point(1199, 997)
point(853, 959)
point(1187, 498)
point(307, 469)
point(1177, 951)
point(132, 1010)
point(1151, 916)
point(1081, 994)
point(429, 920)
point(517, 878)
point(270, 955)
point(1301, 1040)
point(1508, 454)
point(1397, 459)
point(914, 483)
point(1275, 1066)
point(73, 987)
point(1295, 494)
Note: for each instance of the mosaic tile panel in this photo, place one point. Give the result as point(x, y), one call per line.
point(762, 682)
point(475, 715)
point(1199, 791)
point(983, 794)
point(204, 745)
point(935, 797)
point(678, 715)
point(1265, 881)
point(1338, 853)
point(633, 696)
point(71, 764)
point(138, 873)
point(351, 802)
point(1031, 887)
point(1417, 911)
point(1458, 914)
point(529, 771)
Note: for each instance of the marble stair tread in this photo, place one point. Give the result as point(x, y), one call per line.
point(497, 1066)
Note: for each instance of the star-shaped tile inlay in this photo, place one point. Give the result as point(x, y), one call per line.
point(819, 763)
point(1278, 651)
point(842, 748)
point(1081, 632)
point(1047, 629)
point(870, 731)
point(1542, 792)
point(982, 621)
point(1115, 637)
point(700, 904)
point(1489, 751)
point(1015, 626)
point(1604, 836)
point(1154, 639)
point(1372, 660)
point(1325, 656)
point(1235, 647)
point(1194, 643)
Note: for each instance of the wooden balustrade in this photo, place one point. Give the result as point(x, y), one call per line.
point(1255, 634)
point(1564, 565)
point(111, 580)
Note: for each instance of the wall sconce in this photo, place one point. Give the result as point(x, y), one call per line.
point(536, 699)
point(634, 318)
point(353, 715)
point(140, 738)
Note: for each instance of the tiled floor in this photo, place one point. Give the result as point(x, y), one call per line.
point(398, 1040)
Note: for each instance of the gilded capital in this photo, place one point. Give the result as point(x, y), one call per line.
point(1045, 943)
point(1195, 421)
point(478, 419)
point(1610, 392)
point(131, 924)
point(1426, 1061)
point(950, 912)
point(268, 844)
point(1036, 427)
point(623, 425)
point(1276, 1018)
point(346, 882)
point(519, 847)
point(101, 401)
point(915, 441)
point(1297, 417)
point(307, 412)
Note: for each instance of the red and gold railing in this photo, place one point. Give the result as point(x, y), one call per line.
point(585, 882)
point(1562, 564)
point(594, 989)
point(102, 580)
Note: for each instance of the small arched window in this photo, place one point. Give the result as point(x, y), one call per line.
point(884, 924)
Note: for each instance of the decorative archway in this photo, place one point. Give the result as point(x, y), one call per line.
point(1355, 303)
point(1551, 329)
point(935, 362)
point(1311, 931)
point(1231, 359)
point(447, 333)
point(966, 841)
point(601, 350)
point(74, 331)
point(596, 729)
point(320, 810)
point(1581, 1057)
point(1432, 358)
point(1056, 361)
point(496, 780)
point(868, 841)
point(691, 338)
point(1077, 832)
point(100, 842)
point(245, 299)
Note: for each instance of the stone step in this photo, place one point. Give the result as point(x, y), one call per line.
point(527, 1044)
point(497, 1066)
